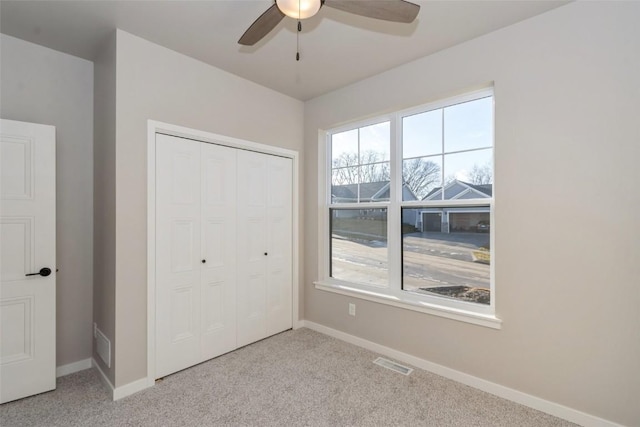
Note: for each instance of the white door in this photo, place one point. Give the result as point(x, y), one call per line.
point(264, 245)
point(253, 249)
point(195, 252)
point(279, 229)
point(28, 245)
point(177, 254)
point(218, 280)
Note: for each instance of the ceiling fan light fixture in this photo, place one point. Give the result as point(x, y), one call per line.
point(299, 9)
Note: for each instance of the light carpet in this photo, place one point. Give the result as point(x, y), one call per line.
point(296, 378)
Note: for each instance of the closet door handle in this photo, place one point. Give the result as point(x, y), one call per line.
point(204, 261)
point(266, 254)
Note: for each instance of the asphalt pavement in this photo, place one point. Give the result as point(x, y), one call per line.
point(429, 259)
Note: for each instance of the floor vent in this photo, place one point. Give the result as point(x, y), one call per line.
point(385, 363)
point(103, 347)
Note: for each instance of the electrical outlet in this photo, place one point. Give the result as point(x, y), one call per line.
point(352, 309)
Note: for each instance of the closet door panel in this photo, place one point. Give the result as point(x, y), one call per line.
point(279, 212)
point(178, 241)
point(252, 247)
point(218, 279)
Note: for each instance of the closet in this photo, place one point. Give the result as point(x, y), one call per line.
point(223, 250)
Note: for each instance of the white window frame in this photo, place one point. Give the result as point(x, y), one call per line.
point(392, 294)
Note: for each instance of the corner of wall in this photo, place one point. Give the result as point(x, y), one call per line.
point(104, 197)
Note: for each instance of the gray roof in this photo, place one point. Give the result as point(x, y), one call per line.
point(367, 191)
point(486, 189)
point(432, 192)
point(483, 188)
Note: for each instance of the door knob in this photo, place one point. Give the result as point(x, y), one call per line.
point(44, 272)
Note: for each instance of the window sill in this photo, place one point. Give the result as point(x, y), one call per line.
point(485, 320)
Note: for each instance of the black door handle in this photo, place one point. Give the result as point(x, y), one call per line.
point(44, 272)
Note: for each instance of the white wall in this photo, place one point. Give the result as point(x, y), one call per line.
point(156, 83)
point(567, 93)
point(41, 85)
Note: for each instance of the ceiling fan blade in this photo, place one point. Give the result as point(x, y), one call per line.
point(262, 26)
point(387, 10)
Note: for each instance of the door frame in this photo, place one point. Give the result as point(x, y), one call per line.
point(154, 127)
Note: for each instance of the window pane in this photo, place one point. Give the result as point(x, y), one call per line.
point(344, 149)
point(375, 143)
point(360, 164)
point(468, 125)
point(359, 246)
point(422, 134)
point(342, 189)
point(445, 252)
point(374, 182)
point(368, 183)
point(468, 175)
point(421, 177)
point(342, 176)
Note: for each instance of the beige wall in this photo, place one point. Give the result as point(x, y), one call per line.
point(156, 83)
point(567, 93)
point(41, 85)
point(104, 296)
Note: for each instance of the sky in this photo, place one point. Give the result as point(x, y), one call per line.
point(443, 136)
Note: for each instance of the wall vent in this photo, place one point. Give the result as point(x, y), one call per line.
point(385, 363)
point(103, 347)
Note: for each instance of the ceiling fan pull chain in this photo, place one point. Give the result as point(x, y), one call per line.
point(298, 41)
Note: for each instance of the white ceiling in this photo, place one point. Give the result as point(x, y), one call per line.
point(336, 48)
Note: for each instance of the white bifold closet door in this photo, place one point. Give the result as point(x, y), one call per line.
point(223, 250)
point(264, 246)
point(195, 252)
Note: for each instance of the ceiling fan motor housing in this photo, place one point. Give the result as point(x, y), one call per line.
point(299, 9)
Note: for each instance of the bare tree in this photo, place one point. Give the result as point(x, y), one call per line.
point(344, 171)
point(349, 169)
point(420, 176)
point(481, 174)
point(373, 168)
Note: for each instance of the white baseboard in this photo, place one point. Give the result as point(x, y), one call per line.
point(103, 378)
point(129, 389)
point(72, 368)
point(118, 393)
point(522, 398)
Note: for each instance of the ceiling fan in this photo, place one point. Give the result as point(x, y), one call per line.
point(387, 10)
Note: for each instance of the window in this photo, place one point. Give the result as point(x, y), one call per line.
point(360, 177)
point(409, 202)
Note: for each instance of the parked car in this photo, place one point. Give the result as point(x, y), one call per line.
point(483, 227)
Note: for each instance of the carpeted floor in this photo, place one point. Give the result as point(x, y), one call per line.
point(295, 378)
